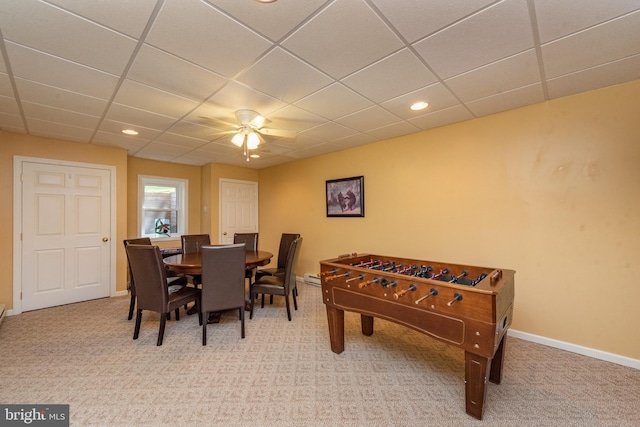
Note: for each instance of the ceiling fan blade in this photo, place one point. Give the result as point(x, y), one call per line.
point(277, 132)
point(245, 117)
point(219, 134)
point(220, 122)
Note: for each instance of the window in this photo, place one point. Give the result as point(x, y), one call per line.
point(162, 203)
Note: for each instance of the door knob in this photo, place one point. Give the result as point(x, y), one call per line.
point(105, 239)
point(224, 234)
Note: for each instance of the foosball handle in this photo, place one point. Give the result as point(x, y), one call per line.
point(456, 297)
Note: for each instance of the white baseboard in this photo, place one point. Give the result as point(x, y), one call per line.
point(573, 348)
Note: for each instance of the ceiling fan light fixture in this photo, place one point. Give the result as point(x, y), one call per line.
point(238, 139)
point(252, 141)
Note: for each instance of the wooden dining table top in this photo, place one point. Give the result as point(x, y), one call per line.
point(192, 263)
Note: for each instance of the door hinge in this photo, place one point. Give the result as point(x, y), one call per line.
point(20, 296)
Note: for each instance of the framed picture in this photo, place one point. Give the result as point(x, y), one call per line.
point(345, 197)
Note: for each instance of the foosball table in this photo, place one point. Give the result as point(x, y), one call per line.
point(465, 306)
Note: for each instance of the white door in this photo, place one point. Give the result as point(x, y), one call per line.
point(66, 245)
point(238, 208)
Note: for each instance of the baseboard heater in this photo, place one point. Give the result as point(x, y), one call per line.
point(311, 279)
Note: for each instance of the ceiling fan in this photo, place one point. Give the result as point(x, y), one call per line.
point(248, 133)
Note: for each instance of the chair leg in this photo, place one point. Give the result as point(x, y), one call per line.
point(136, 330)
point(163, 322)
point(204, 329)
point(252, 298)
point(242, 322)
point(131, 306)
point(262, 305)
point(295, 300)
point(178, 314)
point(270, 299)
point(199, 308)
point(286, 299)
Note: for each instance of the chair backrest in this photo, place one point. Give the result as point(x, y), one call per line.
point(285, 244)
point(249, 239)
point(223, 269)
point(139, 241)
point(148, 272)
point(292, 261)
point(191, 243)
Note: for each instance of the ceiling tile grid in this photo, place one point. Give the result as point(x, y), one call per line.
point(338, 73)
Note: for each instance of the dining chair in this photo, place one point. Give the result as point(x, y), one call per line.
point(283, 251)
point(251, 244)
point(131, 286)
point(279, 285)
point(191, 244)
point(152, 292)
point(223, 274)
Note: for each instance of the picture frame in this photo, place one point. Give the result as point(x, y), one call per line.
point(345, 197)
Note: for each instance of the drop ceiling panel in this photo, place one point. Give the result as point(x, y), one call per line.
point(498, 77)
point(137, 117)
point(507, 100)
point(334, 101)
point(169, 73)
point(59, 130)
point(321, 41)
point(443, 117)
point(271, 20)
point(47, 28)
point(399, 73)
point(144, 97)
point(64, 99)
point(126, 16)
point(596, 46)
point(392, 131)
point(608, 74)
point(560, 18)
point(415, 19)
point(368, 119)
point(6, 89)
point(284, 76)
point(492, 34)
point(195, 31)
point(32, 65)
point(56, 115)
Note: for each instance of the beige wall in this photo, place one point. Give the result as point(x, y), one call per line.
point(192, 174)
point(550, 190)
point(11, 145)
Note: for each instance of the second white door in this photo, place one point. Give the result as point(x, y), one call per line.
point(238, 208)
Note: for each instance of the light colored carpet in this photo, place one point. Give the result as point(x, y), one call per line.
point(284, 373)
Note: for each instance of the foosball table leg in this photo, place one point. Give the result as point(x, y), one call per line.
point(367, 324)
point(335, 318)
point(475, 383)
point(495, 375)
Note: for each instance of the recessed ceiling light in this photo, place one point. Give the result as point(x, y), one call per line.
point(130, 132)
point(419, 106)
point(266, 1)
point(255, 156)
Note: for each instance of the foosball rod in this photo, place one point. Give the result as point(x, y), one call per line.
point(411, 288)
point(433, 292)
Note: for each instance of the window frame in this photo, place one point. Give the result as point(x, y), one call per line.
point(182, 195)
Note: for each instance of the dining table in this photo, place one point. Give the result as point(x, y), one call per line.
point(191, 263)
